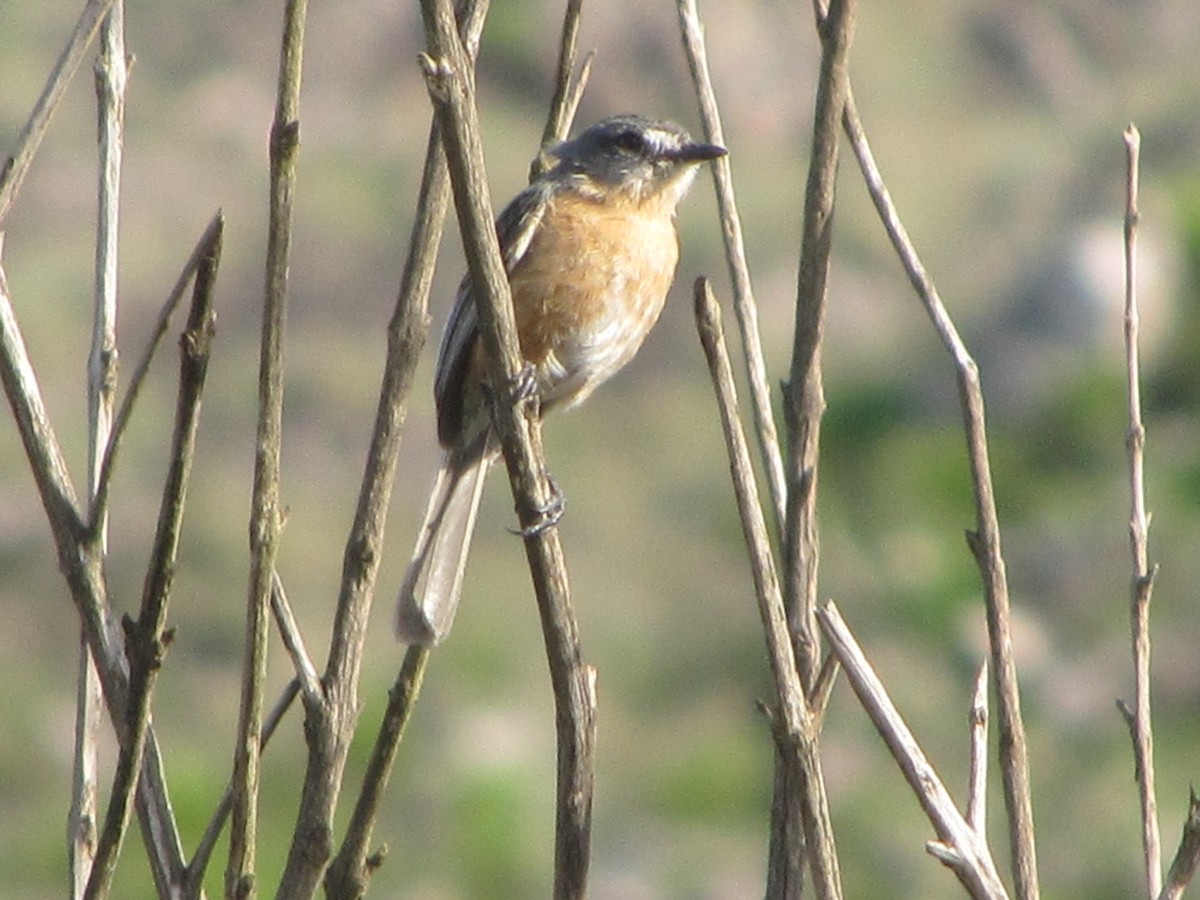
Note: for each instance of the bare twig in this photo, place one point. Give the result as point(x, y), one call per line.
point(82, 818)
point(977, 787)
point(266, 518)
point(735, 257)
point(984, 541)
point(804, 407)
point(16, 167)
point(193, 885)
point(145, 641)
point(796, 737)
point(1142, 584)
point(1187, 857)
point(568, 89)
point(110, 77)
point(293, 642)
point(804, 394)
point(449, 79)
point(350, 871)
point(959, 846)
point(80, 561)
point(202, 249)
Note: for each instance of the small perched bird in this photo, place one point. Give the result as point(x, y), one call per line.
point(590, 249)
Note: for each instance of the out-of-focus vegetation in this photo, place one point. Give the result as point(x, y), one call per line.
point(999, 132)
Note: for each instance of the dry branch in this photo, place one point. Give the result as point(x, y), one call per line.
point(266, 517)
point(568, 87)
point(735, 257)
point(111, 73)
point(351, 869)
point(81, 563)
point(796, 737)
point(1142, 583)
point(145, 641)
point(804, 399)
point(16, 167)
point(1187, 857)
point(125, 411)
point(449, 78)
point(959, 846)
point(293, 642)
point(984, 541)
point(804, 407)
point(332, 720)
point(198, 865)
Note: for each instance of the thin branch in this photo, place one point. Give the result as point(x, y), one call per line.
point(202, 249)
point(977, 786)
point(16, 167)
point(735, 256)
point(146, 643)
point(266, 517)
point(193, 886)
point(37, 434)
point(984, 541)
point(351, 869)
point(110, 73)
point(293, 642)
point(818, 697)
point(960, 846)
point(1142, 583)
point(82, 817)
point(567, 88)
point(81, 564)
point(804, 394)
point(449, 79)
point(1187, 857)
point(795, 732)
point(804, 407)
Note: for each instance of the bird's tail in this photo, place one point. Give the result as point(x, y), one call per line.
point(433, 583)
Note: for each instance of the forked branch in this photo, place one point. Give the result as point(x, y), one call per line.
point(796, 736)
point(959, 846)
point(984, 540)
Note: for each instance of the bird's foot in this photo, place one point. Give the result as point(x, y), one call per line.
point(524, 384)
point(549, 514)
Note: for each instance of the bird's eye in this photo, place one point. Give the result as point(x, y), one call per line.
point(630, 141)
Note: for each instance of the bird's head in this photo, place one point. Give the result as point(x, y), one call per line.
point(634, 157)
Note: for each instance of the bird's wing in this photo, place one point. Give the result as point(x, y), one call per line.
point(515, 228)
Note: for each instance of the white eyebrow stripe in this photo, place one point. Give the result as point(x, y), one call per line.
point(660, 139)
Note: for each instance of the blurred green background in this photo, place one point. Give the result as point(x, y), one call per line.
point(998, 127)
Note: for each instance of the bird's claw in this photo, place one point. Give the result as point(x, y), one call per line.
point(524, 384)
point(548, 515)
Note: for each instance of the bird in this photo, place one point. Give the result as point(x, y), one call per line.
point(590, 248)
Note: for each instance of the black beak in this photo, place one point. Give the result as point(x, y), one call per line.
point(696, 152)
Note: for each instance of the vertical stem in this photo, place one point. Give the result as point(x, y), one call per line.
point(265, 514)
point(984, 541)
point(805, 396)
point(110, 76)
point(1143, 575)
point(449, 77)
point(797, 755)
point(735, 257)
point(804, 406)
